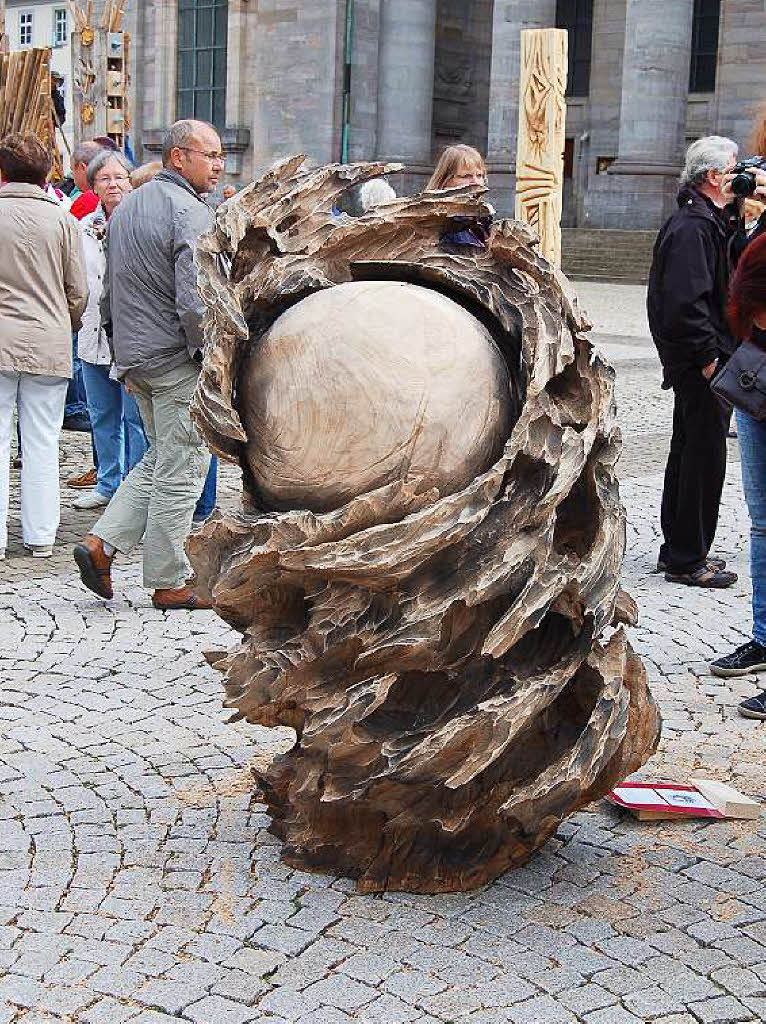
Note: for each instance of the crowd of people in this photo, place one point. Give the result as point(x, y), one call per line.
point(135, 314)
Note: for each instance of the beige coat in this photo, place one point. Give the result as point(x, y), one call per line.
point(43, 289)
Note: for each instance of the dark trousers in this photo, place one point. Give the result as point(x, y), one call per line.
point(694, 474)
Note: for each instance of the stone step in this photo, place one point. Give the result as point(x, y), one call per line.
point(589, 254)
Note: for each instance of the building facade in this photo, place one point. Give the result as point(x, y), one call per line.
point(400, 79)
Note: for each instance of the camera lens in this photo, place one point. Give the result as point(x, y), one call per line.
point(743, 184)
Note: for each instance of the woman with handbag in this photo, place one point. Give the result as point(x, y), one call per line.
point(743, 383)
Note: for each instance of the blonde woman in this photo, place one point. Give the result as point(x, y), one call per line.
point(457, 166)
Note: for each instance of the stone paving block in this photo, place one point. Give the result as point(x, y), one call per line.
point(257, 962)
point(540, 1010)
point(723, 1010)
point(245, 988)
point(213, 1008)
point(343, 993)
point(586, 998)
point(282, 938)
point(169, 996)
point(371, 968)
point(612, 1015)
point(413, 986)
point(287, 1002)
point(116, 981)
point(652, 1002)
point(387, 1009)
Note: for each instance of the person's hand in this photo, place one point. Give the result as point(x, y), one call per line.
point(725, 186)
point(709, 370)
point(760, 184)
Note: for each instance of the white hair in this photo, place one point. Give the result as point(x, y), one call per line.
point(712, 153)
point(374, 192)
point(103, 157)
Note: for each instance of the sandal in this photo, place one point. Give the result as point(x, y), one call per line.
point(705, 576)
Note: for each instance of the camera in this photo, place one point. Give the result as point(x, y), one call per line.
point(743, 182)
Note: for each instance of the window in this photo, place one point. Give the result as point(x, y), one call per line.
point(60, 26)
point(576, 16)
point(707, 15)
point(25, 28)
point(202, 26)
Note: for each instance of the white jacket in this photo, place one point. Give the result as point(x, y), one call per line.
point(92, 343)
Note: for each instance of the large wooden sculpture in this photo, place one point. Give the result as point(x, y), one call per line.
point(425, 570)
point(540, 143)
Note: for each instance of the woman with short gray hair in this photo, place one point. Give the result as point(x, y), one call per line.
point(118, 433)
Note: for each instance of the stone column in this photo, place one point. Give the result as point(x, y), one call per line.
point(510, 17)
point(406, 86)
point(640, 187)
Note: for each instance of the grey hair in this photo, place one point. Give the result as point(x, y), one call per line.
point(712, 153)
point(103, 157)
point(180, 134)
point(84, 152)
point(374, 192)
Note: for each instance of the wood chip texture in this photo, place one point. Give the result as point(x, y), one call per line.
point(449, 661)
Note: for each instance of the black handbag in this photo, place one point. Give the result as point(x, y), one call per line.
point(742, 381)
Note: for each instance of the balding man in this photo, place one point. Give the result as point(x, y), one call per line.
point(84, 200)
point(151, 299)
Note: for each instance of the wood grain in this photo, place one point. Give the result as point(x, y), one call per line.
point(447, 658)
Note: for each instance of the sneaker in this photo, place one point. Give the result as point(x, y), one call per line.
point(754, 707)
point(2, 554)
point(705, 576)
point(39, 550)
point(84, 481)
point(79, 422)
point(91, 499)
point(712, 563)
point(749, 658)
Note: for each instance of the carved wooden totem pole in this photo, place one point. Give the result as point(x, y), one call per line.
point(425, 570)
point(540, 146)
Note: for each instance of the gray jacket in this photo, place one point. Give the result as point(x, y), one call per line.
point(150, 281)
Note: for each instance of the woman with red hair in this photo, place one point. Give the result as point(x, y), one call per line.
point(747, 318)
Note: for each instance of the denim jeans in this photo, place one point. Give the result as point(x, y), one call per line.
point(118, 433)
point(206, 501)
point(752, 447)
point(76, 401)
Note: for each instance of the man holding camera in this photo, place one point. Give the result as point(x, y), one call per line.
point(686, 303)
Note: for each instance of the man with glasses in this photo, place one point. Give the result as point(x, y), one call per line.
point(155, 311)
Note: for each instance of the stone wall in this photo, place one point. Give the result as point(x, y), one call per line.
point(285, 87)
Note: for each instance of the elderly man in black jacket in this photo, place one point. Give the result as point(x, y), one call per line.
point(686, 303)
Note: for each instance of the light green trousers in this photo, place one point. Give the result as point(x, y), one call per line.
point(156, 499)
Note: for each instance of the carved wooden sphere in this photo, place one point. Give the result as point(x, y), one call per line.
point(357, 385)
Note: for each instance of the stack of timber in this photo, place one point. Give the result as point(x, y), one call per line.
point(25, 94)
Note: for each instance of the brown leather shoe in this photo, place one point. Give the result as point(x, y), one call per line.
point(84, 480)
point(180, 598)
point(95, 566)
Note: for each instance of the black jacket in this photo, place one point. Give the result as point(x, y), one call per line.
point(688, 285)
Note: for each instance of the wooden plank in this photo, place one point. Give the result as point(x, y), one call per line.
point(540, 147)
point(728, 800)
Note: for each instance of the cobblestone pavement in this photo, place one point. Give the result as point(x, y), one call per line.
point(138, 882)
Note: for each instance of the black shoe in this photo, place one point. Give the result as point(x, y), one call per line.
point(705, 576)
point(754, 707)
point(749, 658)
point(712, 563)
point(79, 422)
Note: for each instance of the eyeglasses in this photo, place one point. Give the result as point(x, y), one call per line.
point(212, 157)
point(113, 179)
